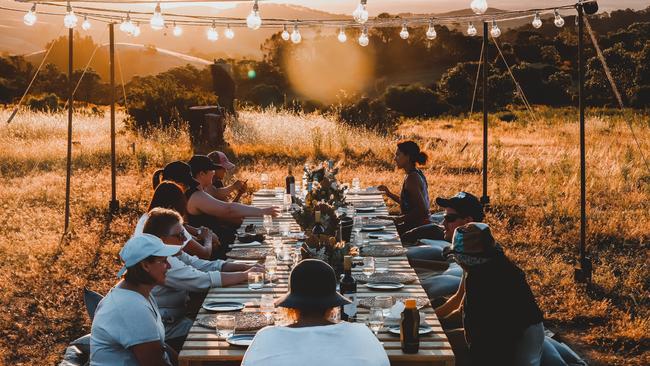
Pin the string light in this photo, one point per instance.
(285, 34)
(295, 35)
(471, 30)
(127, 26)
(178, 31)
(559, 22)
(229, 33)
(495, 31)
(157, 22)
(431, 31)
(363, 38)
(360, 14)
(86, 24)
(30, 17)
(70, 19)
(253, 20)
(135, 30)
(212, 33)
(479, 6)
(342, 37)
(537, 21)
(404, 33)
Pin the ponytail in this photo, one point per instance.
(422, 158)
(157, 178)
(412, 150)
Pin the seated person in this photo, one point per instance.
(170, 195)
(186, 274)
(127, 328)
(414, 198)
(313, 339)
(205, 210)
(459, 210)
(501, 322)
(218, 189)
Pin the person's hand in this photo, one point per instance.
(205, 234)
(241, 186)
(255, 268)
(382, 188)
(273, 211)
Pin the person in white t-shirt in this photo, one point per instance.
(186, 274)
(313, 339)
(127, 328)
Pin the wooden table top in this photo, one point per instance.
(202, 346)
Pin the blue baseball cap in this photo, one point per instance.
(142, 246)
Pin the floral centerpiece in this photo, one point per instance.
(322, 185)
(329, 250)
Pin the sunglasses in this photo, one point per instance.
(451, 217)
(180, 236)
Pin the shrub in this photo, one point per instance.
(371, 114)
(44, 103)
(265, 95)
(414, 101)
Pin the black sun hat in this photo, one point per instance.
(180, 172)
(312, 284)
(201, 163)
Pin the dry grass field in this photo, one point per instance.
(534, 188)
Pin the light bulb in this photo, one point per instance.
(559, 22)
(471, 30)
(157, 22)
(285, 34)
(495, 31)
(70, 19)
(86, 24)
(431, 32)
(537, 21)
(363, 38)
(212, 33)
(178, 31)
(404, 33)
(253, 20)
(479, 6)
(135, 29)
(127, 26)
(295, 35)
(360, 14)
(229, 33)
(30, 17)
(342, 37)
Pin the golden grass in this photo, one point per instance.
(533, 187)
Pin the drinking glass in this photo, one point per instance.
(357, 224)
(255, 280)
(356, 184)
(264, 179)
(225, 326)
(267, 223)
(285, 228)
(270, 264)
(351, 211)
(285, 254)
(279, 192)
(277, 248)
(375, 320)
(384, 302)
(335, 315)
(287, 202)
(267, 306)
(381, 265)
(368, 266)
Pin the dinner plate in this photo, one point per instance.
(424, 329)
(382, 236)
(220, 306)
(365, 209)
(244, 340)
(373, 227)
(384, 286)
(265, 193)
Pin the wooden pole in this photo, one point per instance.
(66, 226)
(114, 205)
(485, 199)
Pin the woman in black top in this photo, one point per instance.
(414, 197)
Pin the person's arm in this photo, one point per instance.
(454, 303)
(207, 204)
(237, 267)
(389, 194)
(150, 354)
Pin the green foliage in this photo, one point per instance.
(265, 95)
(44, 103)
(414, 101)
(371, 114)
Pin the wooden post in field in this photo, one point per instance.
(485, 199)
(66, 226)
(582, 274)
(114, 205)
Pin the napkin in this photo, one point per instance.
(395, 316)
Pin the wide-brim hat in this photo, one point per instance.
(312, 284)
(181, 172)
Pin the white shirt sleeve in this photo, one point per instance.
(185, 277)
(201, 264)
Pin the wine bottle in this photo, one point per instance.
(290, 184)
(348, 288)
(318, 226)
(409, 333)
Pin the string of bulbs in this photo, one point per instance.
(360, 19)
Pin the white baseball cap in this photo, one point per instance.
(142, 246)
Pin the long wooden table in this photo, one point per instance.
(202, 347)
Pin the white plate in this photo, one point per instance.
(243, 340)
(424, 329)
(265, 193)
(221, 306)
(384, 286)
(373, 228)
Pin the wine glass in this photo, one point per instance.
(264, 179)
(267, 306)
(356, 184)
(268, 223)
(385, 303)
(357, 225)
(375, 320)
(270, 264)
(287, 200)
